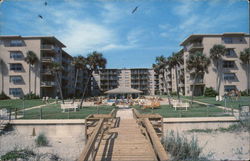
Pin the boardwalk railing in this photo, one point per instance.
(91, 121)
(154, 140)
(93, 143)
(99, 124)
(151, 133)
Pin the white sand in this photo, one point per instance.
(226, 145)
(67, 148)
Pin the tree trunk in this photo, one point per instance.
(1, 61)
(165, 84)
(35, 80)
(177, 83)
(85, 88)
(248, 83)
(59, 86)
(29, 78)
(76, 79)
(217, 79)
(192, 98)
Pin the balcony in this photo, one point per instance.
(195, 46)
(48, 59)
(197, 82)
(47, 47)
(48, 84)
(46, 72)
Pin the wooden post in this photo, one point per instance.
(15, 113)
(10, 115)
(207, 110)
(41, 113)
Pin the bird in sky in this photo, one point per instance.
(40, 16)
(134, 9)
(45, 3)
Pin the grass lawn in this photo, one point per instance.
(55, 112)
(244, 100)
(19, 103)
(196, 111)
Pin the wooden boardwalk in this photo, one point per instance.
(125, 140)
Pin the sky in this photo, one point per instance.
(126, 39)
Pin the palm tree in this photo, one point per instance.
(198, 64)
(31, 59)
(56, 68)
(245, 58)
(94, 62)
(175, 61)
(79, 64)
(216, 53)
(160, 68)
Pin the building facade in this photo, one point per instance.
(232, 72)
(143, 79)
(15, 71)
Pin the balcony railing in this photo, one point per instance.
(195, 45)
(48, 83)
(48, 59)
(46, 71)
(47, 47)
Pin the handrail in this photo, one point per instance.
(91, 142)
(157, 146)
(152, 136)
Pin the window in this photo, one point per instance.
(16, 79)
(230, 52)
(16, 55)
(229, 76)
(16, 67)
(228, 64)
(229, 88)
(16, 43)
(228, 40)
(15, 91)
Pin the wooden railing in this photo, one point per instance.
(91, 121)
(99, 124)
(151, 134)
(90, 150)
(154, 140)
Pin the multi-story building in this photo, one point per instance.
(232, 74)
(138, 78)
(15, 71)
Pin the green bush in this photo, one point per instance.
(173, 93)
(244, 93)
(18, 154)
(31, 96)
(181, 149)
(42, 140)
(210, 92)
(3, 96)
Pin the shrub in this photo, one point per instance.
(244, 93)
(181, 149)
(31, 96)
(42, 140)
(18, 154)
(3, 96)
(210, 92)
(173, 93)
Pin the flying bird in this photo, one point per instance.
(45, 3)
(40, 16)
(134, 9)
